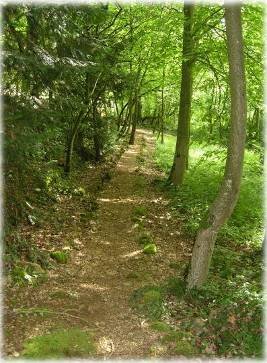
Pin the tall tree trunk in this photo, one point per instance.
(226, 200)
(162, 105)
(96, 131)
(135, 115)
(32, 40)
(183, 131)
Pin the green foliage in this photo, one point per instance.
(175, 287)
(234, 315)
(191, 202)
(148, 301)
(145, 238)
(150, 249)
(183, 344)
(33, 260)
(60, 256)
(234, 312)
(69, 343)
(80, 191)
(27, 274)
(139, 211)
(160, 326)
(138, 214)
(223, 318)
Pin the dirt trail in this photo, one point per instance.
(98, 281)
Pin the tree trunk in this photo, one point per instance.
(183, 131)
(32, 40)
(135, 117)
(162, 105)
(226, 200)
(96, 131)
(70, 143)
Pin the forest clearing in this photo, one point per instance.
(133, 170)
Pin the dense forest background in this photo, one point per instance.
(79, 81)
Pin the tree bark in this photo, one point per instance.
(96, 131)
(227, 197)
(183, 131)
(70, 144)
(136, 116)
(162, 105)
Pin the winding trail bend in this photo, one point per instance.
(108, 266)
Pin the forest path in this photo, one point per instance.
(93, 290)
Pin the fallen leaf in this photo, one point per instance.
(232, 319)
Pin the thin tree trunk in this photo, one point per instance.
(134, 120)
(96, 132)
(183, 131)
(225, 202)
(162, 105)
(70, 143)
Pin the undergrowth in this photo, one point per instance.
(224, 317)
(202, 181)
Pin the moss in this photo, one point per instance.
(160, 326)
(183, 346)
(150, 249)
(59, 344)
(148, 301)
(151, 295)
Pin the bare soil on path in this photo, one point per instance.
(93, 290)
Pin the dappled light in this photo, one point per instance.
(94, 287)
(132, 254)
(133, 168)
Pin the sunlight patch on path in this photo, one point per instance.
(132, 254)
(133, 200)
(94, 287)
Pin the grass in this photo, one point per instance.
(145, 238)
(139, 211)
(60, 256)
(63, 343)
(148, 301)
(206, 167)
